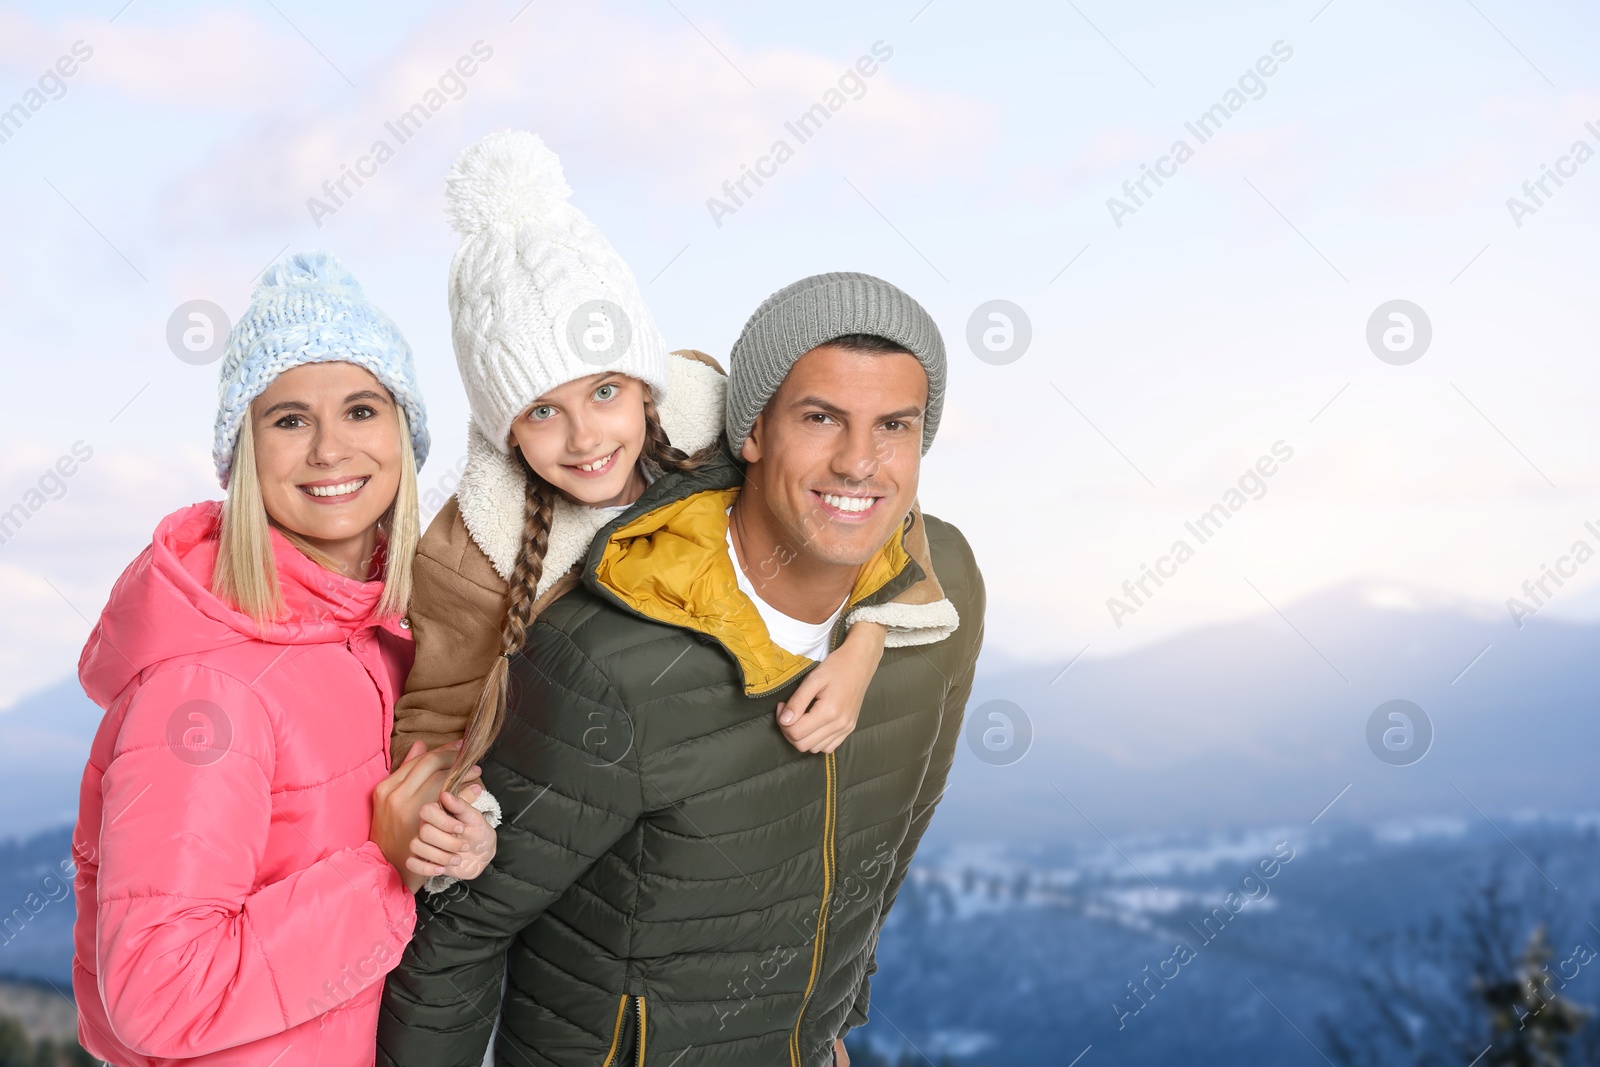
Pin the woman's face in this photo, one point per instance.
(585, 438)
(327, 440)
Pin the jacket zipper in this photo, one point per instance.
(830, 815)
(616, 1032)
(640, 1002)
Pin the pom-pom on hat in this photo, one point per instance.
(308, 308)
(538, 297)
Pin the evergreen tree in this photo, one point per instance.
(1530, 1023)
(1476, 990)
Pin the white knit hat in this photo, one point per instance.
(538, 297)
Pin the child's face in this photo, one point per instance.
(585, 438)
(327, 441)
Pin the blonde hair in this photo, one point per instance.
(538, 508)
(246, 576)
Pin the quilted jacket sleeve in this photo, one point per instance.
(568, 781)
(194, 955)
(968, 592)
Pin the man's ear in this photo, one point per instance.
(750, 451)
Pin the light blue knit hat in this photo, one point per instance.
(307, 308)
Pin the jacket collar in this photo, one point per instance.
(666, 559)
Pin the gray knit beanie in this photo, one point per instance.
(811, 312)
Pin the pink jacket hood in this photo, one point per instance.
(170, 585)
(230, 907)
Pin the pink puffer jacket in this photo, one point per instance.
(230, 907)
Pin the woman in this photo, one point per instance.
(244, 851)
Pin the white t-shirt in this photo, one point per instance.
(809, 639)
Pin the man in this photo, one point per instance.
(674, 883)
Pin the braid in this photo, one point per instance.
(659, 451)
(537, 511)
(538, 508)
(489, 716)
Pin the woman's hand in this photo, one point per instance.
(455, 838)
(824, 708)
(397, 804)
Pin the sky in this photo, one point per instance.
(1179, 336)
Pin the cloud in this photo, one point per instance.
(654, 109)
(1512, 138)
(1109, 156)
(57, 569)
(215, 60)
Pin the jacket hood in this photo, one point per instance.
(490, 494)
(163, 608)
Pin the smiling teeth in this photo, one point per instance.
(336, 490)
(849, 503)
(597, 465)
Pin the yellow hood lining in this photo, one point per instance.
(672, 564)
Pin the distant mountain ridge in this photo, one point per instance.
(1243, 722)
(1265, 719)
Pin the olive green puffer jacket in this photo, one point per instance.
(675, 885)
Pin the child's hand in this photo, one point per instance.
(396, 805)
(454, 838)
(824, 708)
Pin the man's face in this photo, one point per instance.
(836, 452)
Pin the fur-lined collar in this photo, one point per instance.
(492, 486)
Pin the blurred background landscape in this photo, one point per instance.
(1052, 888)
(1133, 754)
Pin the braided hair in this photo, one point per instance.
(538, 510)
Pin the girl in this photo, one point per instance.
(576, 409)
(245, 867)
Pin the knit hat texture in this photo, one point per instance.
(538, 297)
(812, 312)
(307, 308)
